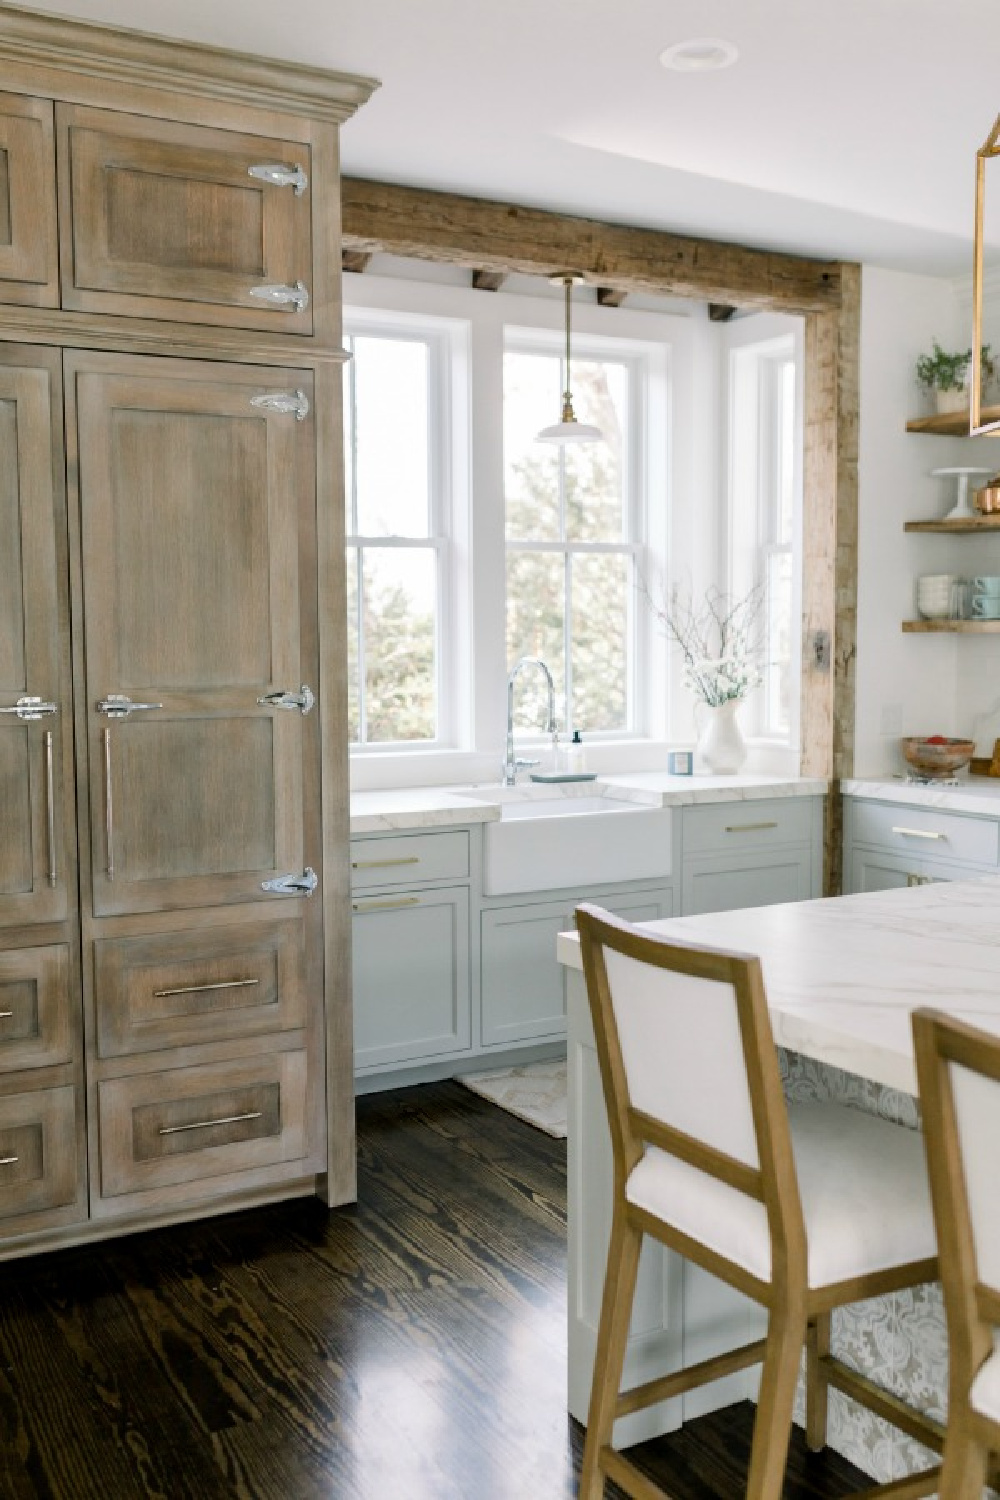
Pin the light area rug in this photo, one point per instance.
(535, 1092)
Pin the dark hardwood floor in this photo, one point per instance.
(412, 1348)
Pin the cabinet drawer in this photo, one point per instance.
(28, 241)
(36, 1028)
(409, 859)
(38, 1151)
(163, 220)
(926, 831)
(728, 827)
(162, 1129)
(172, 989)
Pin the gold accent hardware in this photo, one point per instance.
(50, 805)
(383, 864)
(8, 1161)
(920, 833)
(989, 148)
(5, 1015)
(253, 1114)
(748, 827)
(385, 905)
(196, 989)
(109, 812)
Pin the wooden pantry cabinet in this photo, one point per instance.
(175, 1013)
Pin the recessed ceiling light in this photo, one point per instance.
(704, 54)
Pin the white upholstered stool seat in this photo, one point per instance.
(984, 1392)
(863, 1183)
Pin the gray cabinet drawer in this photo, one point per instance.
(926, 831)
(731, 827)
(409, 859)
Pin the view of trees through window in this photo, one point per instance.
(570, 551)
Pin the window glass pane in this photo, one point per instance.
(400, 588)
(348, 444)
(786, 452)
(594, 481)
(600, 635)
(353, 651)
(391, 387)
(778, 669)
(536, 584)
(531, 401)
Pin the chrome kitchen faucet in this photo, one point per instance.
(511, 763)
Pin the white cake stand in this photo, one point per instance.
(961, 510)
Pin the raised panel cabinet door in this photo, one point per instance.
(35, 717)
(166, 220)
(29, 263)
(195, 506)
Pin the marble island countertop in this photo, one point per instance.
(973, 794)
(843, 973)
(437, 807)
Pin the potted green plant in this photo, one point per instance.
(946, 375)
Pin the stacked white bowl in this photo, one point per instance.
(934, 595)
(985, 598)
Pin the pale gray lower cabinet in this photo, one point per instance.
(891, 845)
(522, 994)
(757, 853)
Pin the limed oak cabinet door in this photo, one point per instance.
(197, 502)
(167, 220)
(29, 271)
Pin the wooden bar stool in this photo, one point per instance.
(958, 1071)
(802, 1207)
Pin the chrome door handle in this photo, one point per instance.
(282, 295)
(119, 706)
(293, 885)
(280, 175)
(286, 402)
(303, 700)
(27, 708)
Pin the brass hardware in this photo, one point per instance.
(748, 827)
(196, 989)
(50, 805)
(292, 885)
(281, 175)
(8, 1161)
(303, 700)
(385, 905)
(383, 864)
(120, 705)
(253, 1114)
(989, 148)
(5, 1015)
(283, 296)
(919, 833)
(286, 402)
(109, 814)
(27, 708)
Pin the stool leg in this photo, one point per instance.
(963, 1472)
(773, 1426)
(817, 1346)
(609, 1359)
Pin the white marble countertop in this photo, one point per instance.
(973, 794)
(843, 973)
(437, 807)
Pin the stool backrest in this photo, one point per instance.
(958, 1073)
(688, 1062)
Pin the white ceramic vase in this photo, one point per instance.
(721, 746)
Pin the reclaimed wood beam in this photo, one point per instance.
(488, 281)
(505, 237)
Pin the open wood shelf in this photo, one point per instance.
(978, 523)
(952, 423)
(955, 627)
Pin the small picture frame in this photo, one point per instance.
(680, 762)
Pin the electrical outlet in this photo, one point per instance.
(892, 719)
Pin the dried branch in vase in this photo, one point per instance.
(719, 640)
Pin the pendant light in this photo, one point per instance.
(568, 429)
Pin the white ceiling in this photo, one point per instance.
(846, 129)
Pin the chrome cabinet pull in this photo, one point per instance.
(251, 1114)
(293, 885)
(197, 989)
(8, 1161)
(282, 296)
(920, 833)
(120, 705)
(384, 864)
(748, 827)
(27, 708)
(385, 905)
(109, 812)
(303, 700)
(50, 804)
(287, 402)
(280, 175)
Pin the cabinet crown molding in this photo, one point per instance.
(143, 58)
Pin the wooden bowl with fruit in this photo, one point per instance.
(937, 755)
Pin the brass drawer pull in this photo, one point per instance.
(385, 905)
(920, 833)
(5, 1015)
(384, 864)
(196, 989)
(748, 827)
(253, 1114)
(9, 1161)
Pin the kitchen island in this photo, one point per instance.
(842, 976)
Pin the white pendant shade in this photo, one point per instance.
(568, 429)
